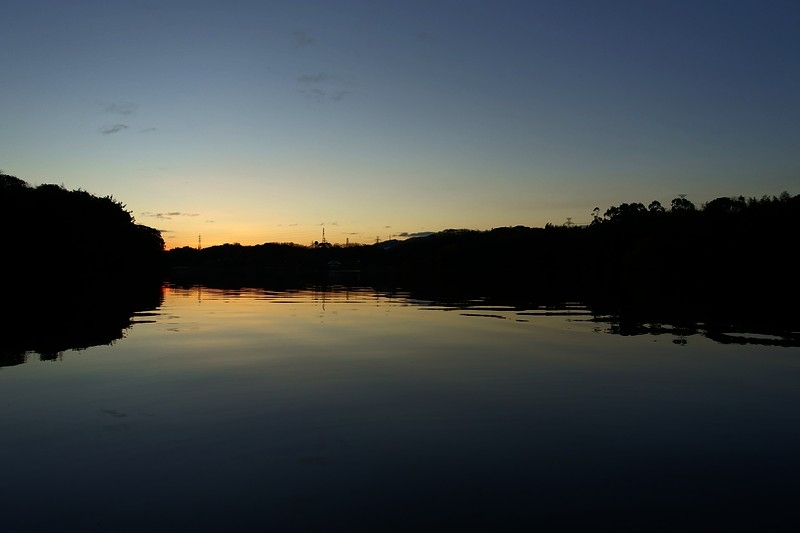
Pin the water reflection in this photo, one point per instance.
(350, 409)
(729, 331)
(723, 333)
(46, 327)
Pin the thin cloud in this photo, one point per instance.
(122, 108)
(116, 128)
(302, 39)
(318, 95)
(169, 216)
(408, 235)
(322, 86)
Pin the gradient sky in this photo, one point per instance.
(265, 121)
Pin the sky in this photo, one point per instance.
(271, 121)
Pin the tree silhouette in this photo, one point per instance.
(681, 204)
(59, 238)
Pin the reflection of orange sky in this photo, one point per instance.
(337, 316)
(361, 323)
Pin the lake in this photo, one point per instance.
(353, 410)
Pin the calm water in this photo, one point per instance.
(351, 410)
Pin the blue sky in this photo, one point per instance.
(266, 121)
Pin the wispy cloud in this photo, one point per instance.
(318, 95)
(116, 128)
(407, 235)
(302, 39)
(322, 86)
(121, 108)
(338, 95)
(169, 216)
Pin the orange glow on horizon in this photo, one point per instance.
(174, 240)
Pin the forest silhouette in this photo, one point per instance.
(726, 258)
(729, 256)
(76, 269)
(60, 240)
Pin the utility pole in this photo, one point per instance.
(199, 245)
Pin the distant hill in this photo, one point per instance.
(727, 255)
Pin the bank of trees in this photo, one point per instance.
(729, 253)
(55, 238)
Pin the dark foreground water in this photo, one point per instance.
(356, 411)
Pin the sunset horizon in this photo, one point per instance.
(258, 122)
(400, 265)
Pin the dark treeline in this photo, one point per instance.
(729, 253)
(76, 268)
(61, 240)
(722, 258)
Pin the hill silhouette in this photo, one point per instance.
(727, 257)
